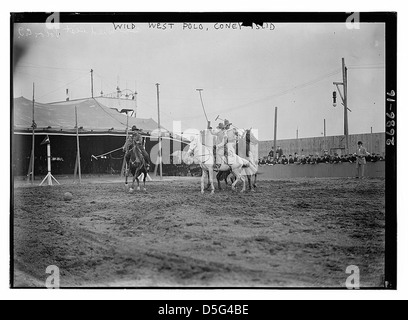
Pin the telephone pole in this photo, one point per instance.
(343, 96)
(346, 133)
(275, 131)
(159, 127)
(92, 95)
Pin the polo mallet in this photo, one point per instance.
(202, 104)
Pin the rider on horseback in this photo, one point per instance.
(136, 141)
(221, 143)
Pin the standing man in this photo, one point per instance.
(361, 160)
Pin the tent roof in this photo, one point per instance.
(93, 117)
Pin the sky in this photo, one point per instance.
(244, 72)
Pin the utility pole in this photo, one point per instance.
(371, 146)
(135, 96)
(92, 83)
(159, 127)
(134, 115)
(275, 131)
(78, 157)
(297, 139)
(343, 96)
(346, 133)
(324, 131)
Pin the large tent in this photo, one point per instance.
(101, 129)
(93, 118)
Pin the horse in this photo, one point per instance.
(204, 156)
(179, 155)
(137, 166)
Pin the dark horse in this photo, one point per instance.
(222, 175)
(137, 166)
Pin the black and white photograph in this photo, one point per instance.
(203, 150)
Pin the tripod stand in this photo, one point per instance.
(49, 177)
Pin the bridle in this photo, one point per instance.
(192, 153)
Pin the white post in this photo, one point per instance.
(49, 180)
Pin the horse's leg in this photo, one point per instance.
(219, 180)
(249, 182)
(144, 180)
(208, 184)
(202, 181)
(237, 176)
(137, 179)
(126, 175)
(133, 183)
(243, 183)
(255, 177)
(211, 177)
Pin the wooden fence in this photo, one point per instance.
(374, 143)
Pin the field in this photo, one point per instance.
(290, 233)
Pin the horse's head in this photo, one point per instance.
(192, 147)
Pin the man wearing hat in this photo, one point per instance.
(360, 160)
(218, 144)
(136, 140)
(227, 124)
(229, 140)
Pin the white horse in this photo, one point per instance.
(204, 156)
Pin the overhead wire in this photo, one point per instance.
(278, 94)
(64, 86)
(49, 67)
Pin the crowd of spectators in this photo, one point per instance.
(280, 158)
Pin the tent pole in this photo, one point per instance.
(124, 164)
(31, 165)
(78, 158)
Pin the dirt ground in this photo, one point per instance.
(290, 233)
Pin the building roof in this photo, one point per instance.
(93, 117)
